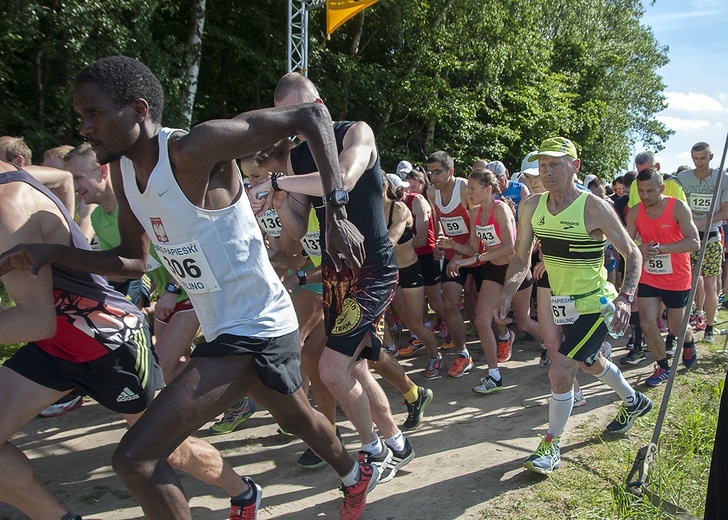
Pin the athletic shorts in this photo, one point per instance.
(181, 306)
(430, 269)
(411, 276)
(584, 338)
(671, 299)
(711, 260)
(124, 380)
(355, 301)
(460, 278)
(497, 274)
(544, 281)
(277, 360)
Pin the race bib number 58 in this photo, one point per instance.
(187, 263)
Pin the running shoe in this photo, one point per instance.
(448, 343)
(606, 350)
(689, 355)
(708, 337)
(310, 460)
(546, 458)
(410, 348)
(441, 328)
(504, 348)
(460, 366)
(545, 359)
(635, 357)
(355, 496)
(433, 367)
(700, 322)
(472, 330)
(416, 410)
(392, 350)
(658, 377)
(662, 327)
(58, 409)
(247, 509)
(627, 414)
(398, 461)
(670, 344)
(378, 461)
(488, 385)
(579, 399)
(234, 416)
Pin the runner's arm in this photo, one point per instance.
(421, 213)
(690, 241)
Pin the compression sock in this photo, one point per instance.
(613, 378)
(560, 406)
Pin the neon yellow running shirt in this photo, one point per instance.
(574, 261)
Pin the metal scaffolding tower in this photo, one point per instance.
(298, 33)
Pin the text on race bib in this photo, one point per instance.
(488, 235)
(453, 226)
(564, 310)
(700, 202)
(270, 223)
(187, 263)
(659, 264)
(152, 264)
(311, 243)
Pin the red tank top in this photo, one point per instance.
(430, 246)
(454, 218)
(670, 271)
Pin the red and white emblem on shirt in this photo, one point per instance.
(159, 231)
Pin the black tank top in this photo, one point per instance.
(365, 209)
(408, 233)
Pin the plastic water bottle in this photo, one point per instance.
(607, 309)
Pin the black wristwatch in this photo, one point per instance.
(170, 287)
(301, 276)
(274, 181)
(338, 197)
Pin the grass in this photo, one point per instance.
(591, 483)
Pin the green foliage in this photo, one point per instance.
(486, 78)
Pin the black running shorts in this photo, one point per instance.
(584, 338)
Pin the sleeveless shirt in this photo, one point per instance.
(454, 218)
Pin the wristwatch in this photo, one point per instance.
(301, 276)
(274, 181)
(170, 287)
(338, 197)
(628, 298)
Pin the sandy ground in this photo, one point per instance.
(469, 449)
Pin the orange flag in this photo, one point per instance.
(339, 11)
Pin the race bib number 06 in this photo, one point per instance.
(564, 310)
(187, 263)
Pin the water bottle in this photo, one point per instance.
(607, 309)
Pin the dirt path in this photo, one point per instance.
(469, 451)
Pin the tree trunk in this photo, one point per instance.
(194, 56)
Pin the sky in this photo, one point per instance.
(696, 79)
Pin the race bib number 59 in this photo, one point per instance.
(187, 263)
(453, 226)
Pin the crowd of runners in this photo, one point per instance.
(301, 261)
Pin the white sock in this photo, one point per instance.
(613, 378)
(560, 406)
(494, 373)
(396, 442)
(503, 340)
(464, 353)
(375, 447)
(352, 477)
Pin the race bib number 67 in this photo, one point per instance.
(187, 263)
(564, 310)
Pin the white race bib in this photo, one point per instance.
(488, 235)
(659, 264)
(152, 264)
(700, 202)
(453, 226)
(270, 223)
(311, 243)
(564, 310)
(188, 265)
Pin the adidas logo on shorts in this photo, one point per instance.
(126, 395)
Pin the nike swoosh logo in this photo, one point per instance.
(162, 192)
